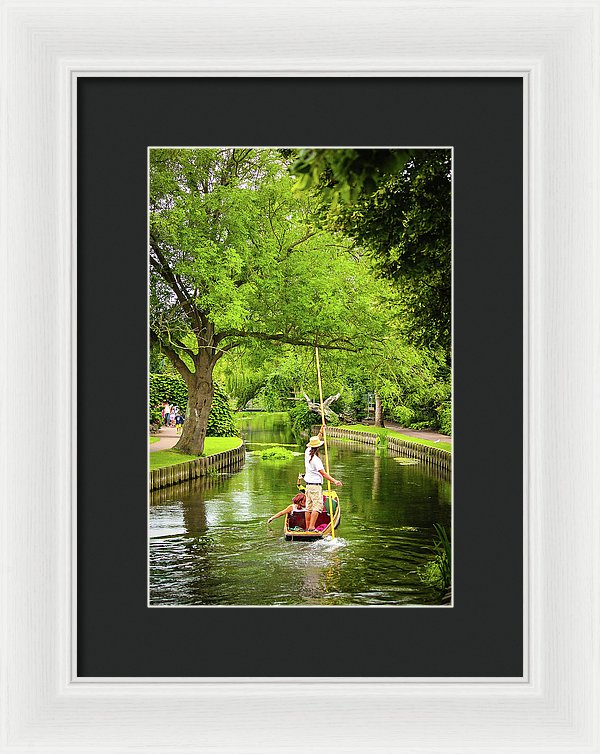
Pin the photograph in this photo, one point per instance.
(300, 376)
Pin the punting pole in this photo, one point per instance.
(325, 440)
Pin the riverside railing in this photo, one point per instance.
(426, 453)
(228, 460)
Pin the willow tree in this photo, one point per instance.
(234, 258)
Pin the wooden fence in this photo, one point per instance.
(228, 460)
(427, 453)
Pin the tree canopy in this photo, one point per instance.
(396, 204)
(235, 256)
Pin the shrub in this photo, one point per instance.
(167, 387)
(445, 418)
(155, 418)
(172, 388)
(402, 415)
(221, 422)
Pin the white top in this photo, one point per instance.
(312, 468)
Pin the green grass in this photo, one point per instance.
(212, 445)
(384, 432)
(153, 440)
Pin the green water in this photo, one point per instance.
(210, 543)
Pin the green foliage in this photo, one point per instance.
(445, 418)
(172, 388)
(438, 571)
(155, 416)
(382, 441)
(396, 204)
(167, 387)
(279, 386)
(221, 422)
(405, 225)
(302, 417)
(241, 376)
(230, 242)
(402, 415)
(342, 175)
(352, 403)
(246, 276)
(159, 363)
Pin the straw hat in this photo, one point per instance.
(315, 442)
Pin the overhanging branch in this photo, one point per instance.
(341, 344)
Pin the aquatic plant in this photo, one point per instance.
(437, 572)
(382, 441)
(274, 454)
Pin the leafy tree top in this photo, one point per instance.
(236, 255)
(396, 204)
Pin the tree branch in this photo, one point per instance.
(341, 344)
(171, 354)
(304, 238)
(161, 265)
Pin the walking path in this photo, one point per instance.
(168, 438)
(422, 433)
(168, 435)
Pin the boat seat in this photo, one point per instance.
(298, 519)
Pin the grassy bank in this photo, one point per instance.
(212, 445)
(384, 432)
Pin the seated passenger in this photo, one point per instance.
(297, 506)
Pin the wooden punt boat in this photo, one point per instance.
(293, 527)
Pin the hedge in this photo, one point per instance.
(172, 388)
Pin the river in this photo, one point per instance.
(210, 543)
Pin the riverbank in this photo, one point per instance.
(423, 434)
(192, 467)
(413, 436)
(210, 543)
(212, 446)
(426, 451)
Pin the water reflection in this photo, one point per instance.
(210, 545)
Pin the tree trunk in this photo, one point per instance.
(200, 397)
(378, 411)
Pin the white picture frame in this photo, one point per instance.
(554, 48)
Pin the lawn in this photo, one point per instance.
(153, 440)
(392, 433)
(212, 445)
